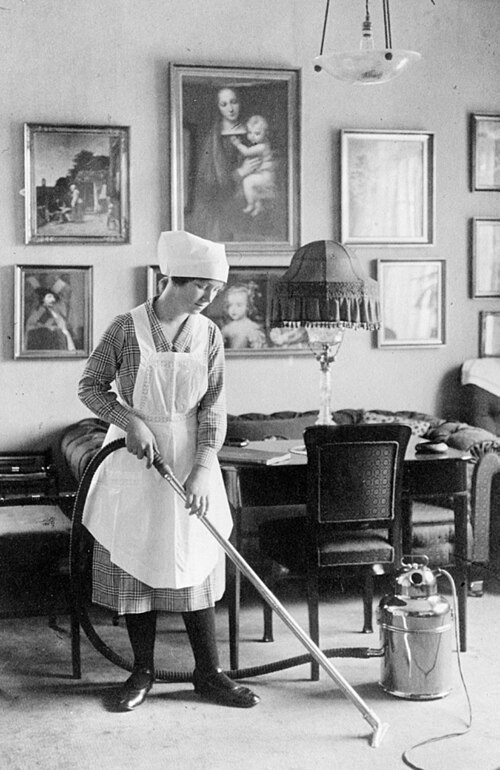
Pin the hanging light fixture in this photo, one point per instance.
(325, 291)
(368, 65)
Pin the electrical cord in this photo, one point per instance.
(468, 724)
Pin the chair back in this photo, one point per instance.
(355, 473)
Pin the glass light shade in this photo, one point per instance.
(324, 335)
(366, 67)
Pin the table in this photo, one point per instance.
(437, 476)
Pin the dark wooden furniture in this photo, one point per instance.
(34, 543)
(353, 515)
(429, 476)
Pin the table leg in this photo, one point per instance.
(460, 510)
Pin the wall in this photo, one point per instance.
(89, 62)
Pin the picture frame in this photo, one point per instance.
(413, 303)
(485, 152)
(52, 311)
(485, 257)
(250, 291)
(223, 186)
(489, 334)
(387, 187)
(76, 184)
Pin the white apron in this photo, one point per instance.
(132, 511)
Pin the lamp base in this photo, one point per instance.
(325, 343)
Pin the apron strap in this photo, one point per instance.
(143, 330)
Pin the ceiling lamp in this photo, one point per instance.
(369, 65)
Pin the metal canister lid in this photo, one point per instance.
(416, 579)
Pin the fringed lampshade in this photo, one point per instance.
(325, 286)
(325, 291)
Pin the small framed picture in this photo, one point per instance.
(485, 152)
(412, 298)
(76, 184)
(53, 311)
(489, 333)
(242, 311)
(387, 188)
(235, 156)
(485, 257)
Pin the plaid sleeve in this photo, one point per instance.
(212, 410)
(115, 359)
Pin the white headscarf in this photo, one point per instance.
(181, 254)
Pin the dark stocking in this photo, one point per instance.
(200, 627)
(141, 629)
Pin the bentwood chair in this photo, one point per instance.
(353, 513)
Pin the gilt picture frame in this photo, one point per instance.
(235, 181)
(387, 187)
(413, 303)
(242, 311)
(52, 311)
(485, 264)
(485, 152)
(76, 184)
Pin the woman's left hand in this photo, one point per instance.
(196, 487)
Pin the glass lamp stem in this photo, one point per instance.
(325, 359)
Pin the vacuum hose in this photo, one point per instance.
(78, 591)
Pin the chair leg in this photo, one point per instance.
(76, 660)
(368, 601)
(313, 611)
(268, 623)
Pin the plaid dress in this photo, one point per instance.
(116, 359)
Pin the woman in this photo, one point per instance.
(218, 196)
(150, 554)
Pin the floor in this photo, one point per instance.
(50, 720)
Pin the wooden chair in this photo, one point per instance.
(353, 513)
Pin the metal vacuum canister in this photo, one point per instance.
(416, 635)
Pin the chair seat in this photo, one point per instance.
(278, 540)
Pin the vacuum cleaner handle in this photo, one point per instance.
(379, 728)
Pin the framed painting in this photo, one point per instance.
(485, 257)
(235, 156)
(76, 184)
(412, 298)
(485, 152)
(242, 311)
(387, 188)
(53, 311)
(489, 333)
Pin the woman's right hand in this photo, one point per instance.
(140, 440)
(248, 166)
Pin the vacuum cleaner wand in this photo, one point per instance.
(379, 728)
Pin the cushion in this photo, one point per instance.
(460, 435)
(419, 426)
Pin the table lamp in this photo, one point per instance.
(325, 291)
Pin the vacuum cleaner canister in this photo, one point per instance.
(416, 635)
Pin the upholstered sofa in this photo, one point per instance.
(480, 378)
(433, 530)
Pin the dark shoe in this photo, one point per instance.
(219, 688)
(135, 689)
